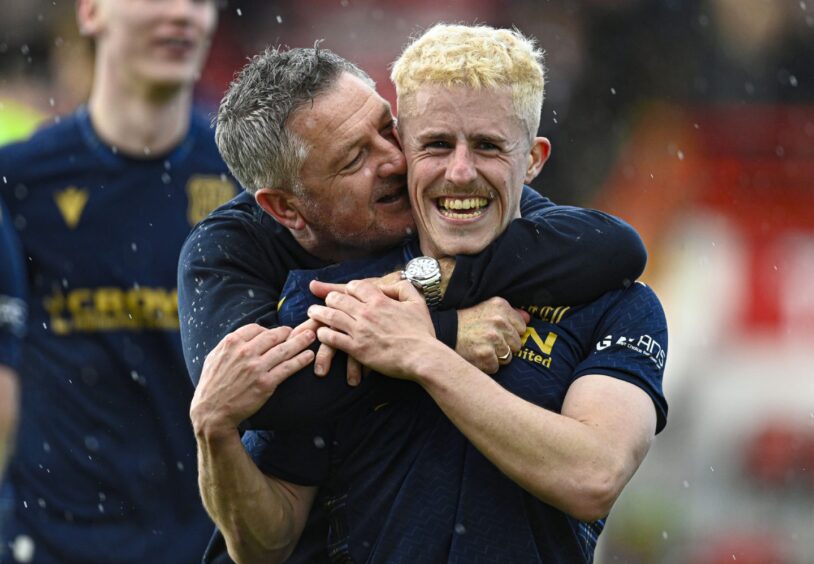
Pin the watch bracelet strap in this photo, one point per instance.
(432, 293)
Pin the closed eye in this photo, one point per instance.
(356, 161)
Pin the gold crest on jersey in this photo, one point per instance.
(205, 193)
(71, 203)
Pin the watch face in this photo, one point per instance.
(421, 268)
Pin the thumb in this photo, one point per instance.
(402, 291)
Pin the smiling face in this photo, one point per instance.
(155, 42)
(355, 195)
(468, 155)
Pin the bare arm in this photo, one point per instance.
(260, 517)
(577, 461)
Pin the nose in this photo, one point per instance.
(461, 167)
(394, 162)
(181, 10)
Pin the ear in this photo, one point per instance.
(88, 17)
(538, 155)
(282, 206)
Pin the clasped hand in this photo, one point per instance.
(384, 326)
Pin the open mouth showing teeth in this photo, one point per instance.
(462, 208)
(394, 197)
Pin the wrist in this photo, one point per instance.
(209, 427)
(432, 363)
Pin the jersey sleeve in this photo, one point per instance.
(225, 281)
(552, 255)
(13, 308)
(631, 344)
(302, 456)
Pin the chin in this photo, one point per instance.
(173, 76)
(464, 247)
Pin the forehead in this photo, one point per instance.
(460, 109)
(347, 109)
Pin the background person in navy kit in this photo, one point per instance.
(103, 199)
(237, 259)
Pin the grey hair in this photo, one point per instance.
(251, 131)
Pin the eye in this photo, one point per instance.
(487, 146)
(389, 129)
(355, 162)
(437, 145)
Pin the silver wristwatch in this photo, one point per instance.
(425, 275)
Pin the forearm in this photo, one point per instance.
(256, 519)
(563, 256)
(561, 461)
(9, 393)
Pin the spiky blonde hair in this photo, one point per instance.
(475, 57)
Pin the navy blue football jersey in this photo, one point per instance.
(234, 264)
(400, 483)
(12, 292)
(105, 466)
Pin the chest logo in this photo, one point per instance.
(71, 203)
(543, 346)
(205, 193)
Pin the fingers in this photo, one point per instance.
(505, 358)
(288, 368)
(335, 339)
(322, 289)
(489, 365)
(323, 360)
(343, 302)
(268, 339)
(307, 324)
(519, 319)
(331, 317)
(247, 332)
(363, 290)
(354, 371)
(389, 279)
(403, 291)
(286, 350)
(513, 342)
(525, 315)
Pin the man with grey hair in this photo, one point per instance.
(348, 200)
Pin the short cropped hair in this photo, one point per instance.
(474, 57)
(252, 133)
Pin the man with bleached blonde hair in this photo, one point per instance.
(440, 461)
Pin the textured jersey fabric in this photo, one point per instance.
(235, 263)
(105, 466)
(400, 483)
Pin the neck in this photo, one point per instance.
(333, 252)
(139, 120)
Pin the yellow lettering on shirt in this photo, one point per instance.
(84, 310)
